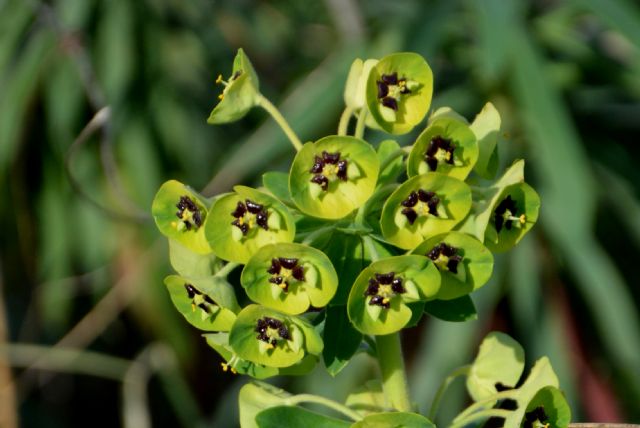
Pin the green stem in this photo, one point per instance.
(343, 125)
(368, 242)
(394, 377)
(310, 398)
(391, 157)
(226, 270)
(460, 371)
(359, 133)
(509, 394)
(309, 238)
(280, 120)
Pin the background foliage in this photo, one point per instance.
(88, 331)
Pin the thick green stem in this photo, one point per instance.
(280, 120)
(343, 126)
(394, 377)
(362, 116)
(226, 269)
(310, 398)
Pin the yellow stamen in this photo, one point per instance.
(385, 300)
(221, 97)
(522, 219)
(283, 285)
(193, 307)
(234, 371)
(225, 367)
(219, 79)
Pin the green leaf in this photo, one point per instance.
(457, 163)
(473, 271)
(388, 155)
(419, 280)
(288, 416)
(460, 309)
(278, 184)
(291, 296)
(188, 230)
(499, 360)
(229, 242)
(188, 263)
(240, 93)
(486, 127)
(341, 196)
(206, 303)
(394, 420)
(413, 105)
(341, 339)
(347, 255)
(254, 397)
(454, 204)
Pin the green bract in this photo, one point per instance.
(422, 207)
(486, 127)
(333, 176)
(464, 263)
(180, 214)
(240, 93)
(355, 89)
(399, 91)
(500, 360)
(242, 222)
(549, 407)
(290, 278)
(270, 338)
(512, 217)
(447, 146)
(207, 303)
(393, 420)
(379, 297)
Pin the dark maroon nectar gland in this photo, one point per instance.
(199, 299)
(506, 214)
(420, 203)
(284, 271)
(327, 168)
(445, 257)
(391, 89)
(248, 215)
(271, 331)
(382, 288)
(189, 214)
(440, 150)
(536, 418)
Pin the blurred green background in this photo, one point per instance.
(87, 332)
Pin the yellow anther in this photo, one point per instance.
(219, 79)
(234, 371)
(522, 219)
(225, 367)
(174, 224)
(385, 300)
(283, 285)
(221, 97)
(193, 307)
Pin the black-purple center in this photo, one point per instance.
(390, 90)
(247, 214)
(198, 298)
(505, 214)
(439, 150)
(283, 269)
(189, 213)
(445, 257)
(271, 330)
(420, 202)
(328, 167)
(382, 287)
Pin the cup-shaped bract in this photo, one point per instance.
(514, 214)
(289, 278)
(548, 407)
(399, 91)
(273, 339)
(240, 93)
(447, 146)
(379, 299)
(208, 303)
(242, 222)
(180, 214)
(333, 176)
(422, 207)
(464, 263)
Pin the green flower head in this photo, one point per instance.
(208, 304)
(379, 299)
(399, 91)
(422, 207)
(355, 89)
(243, 221)
(513, 216)
(270, 338)
(447, 146)
(333, 176)
(290, 278)
(464, 263)
(240, 93)
(180, 214)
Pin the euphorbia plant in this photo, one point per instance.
(354, 244)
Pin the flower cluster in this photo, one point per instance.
(355, 239)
